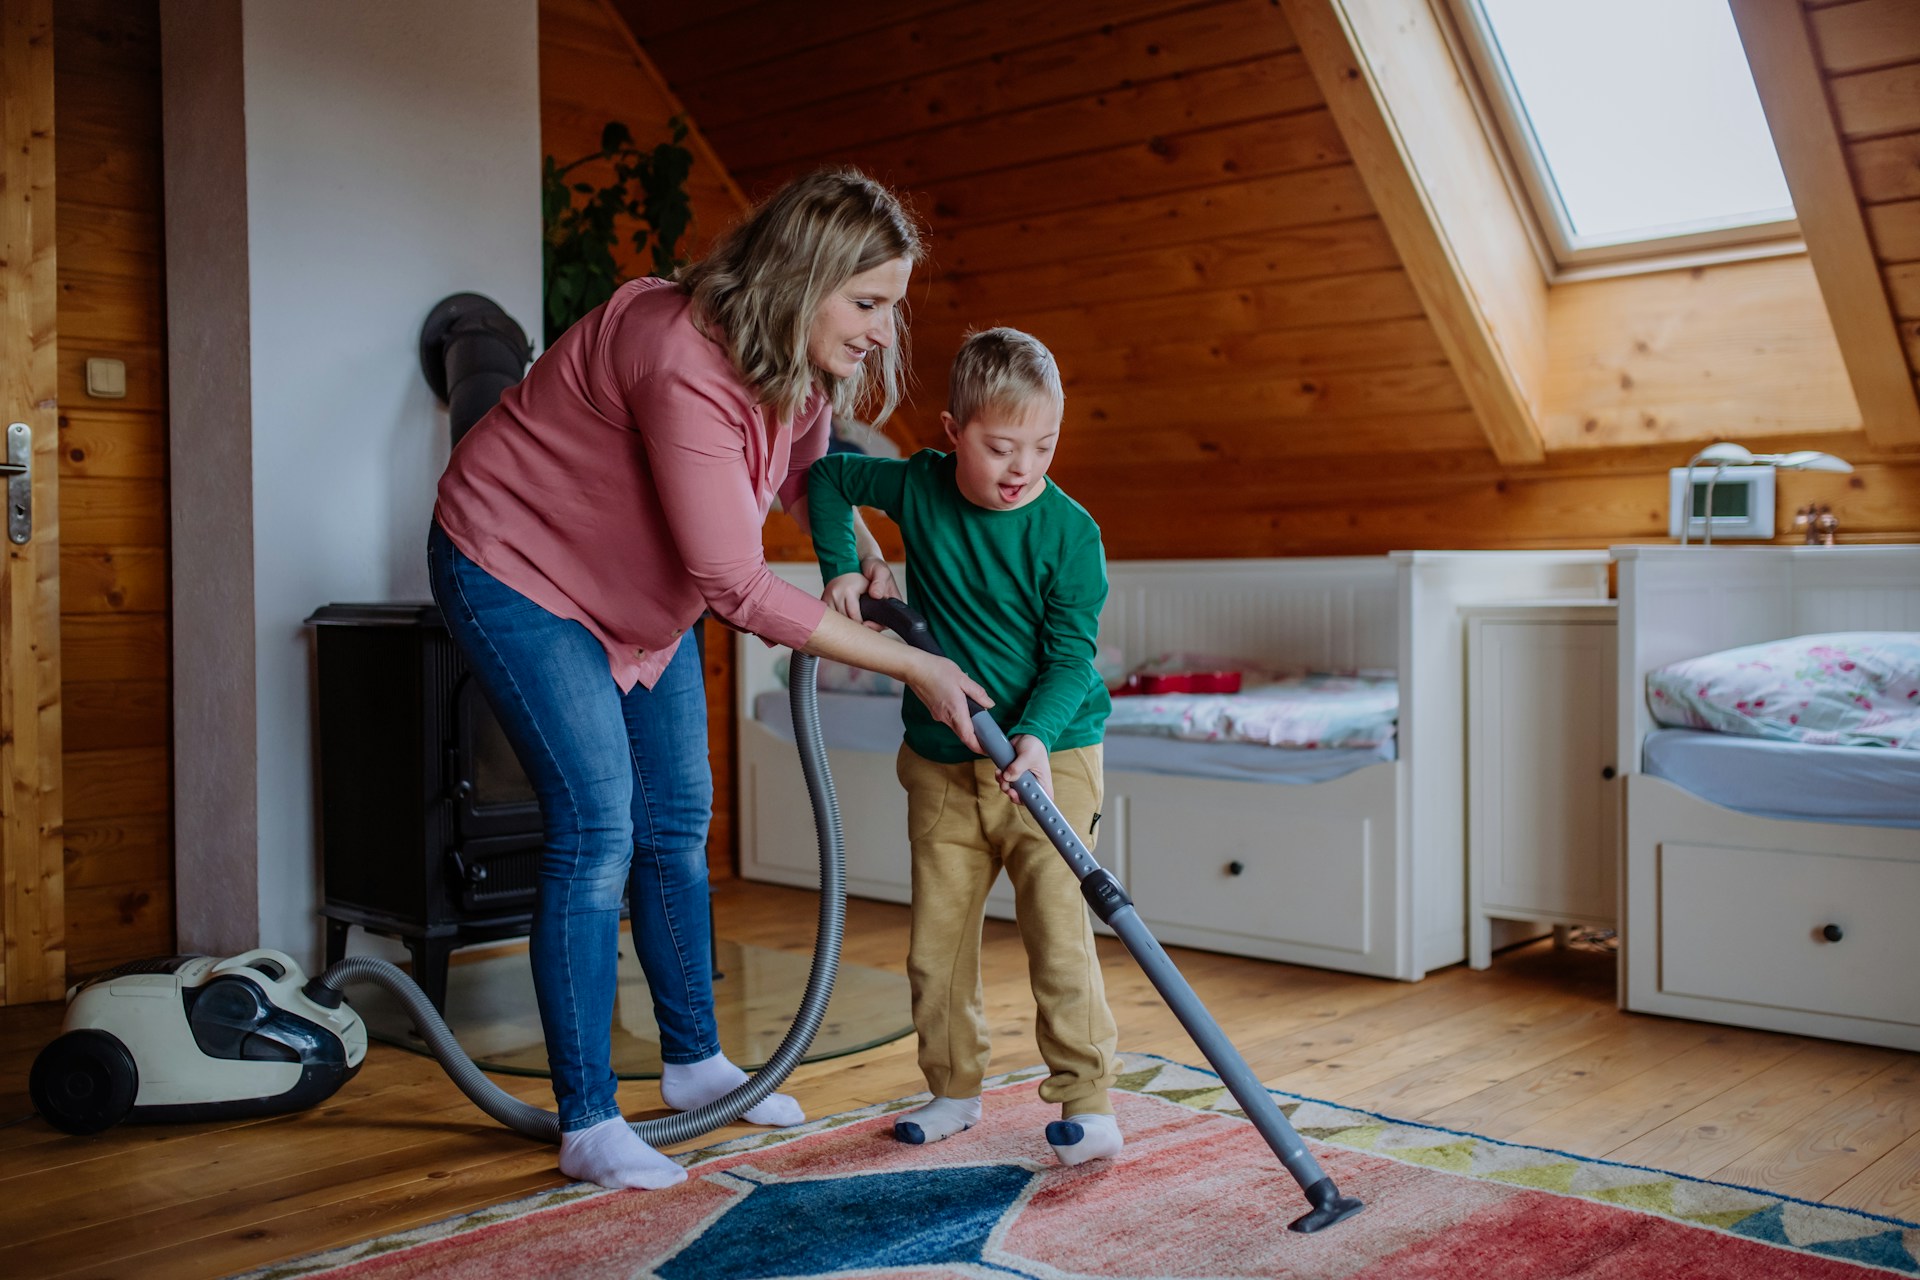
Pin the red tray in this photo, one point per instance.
(1180, 682)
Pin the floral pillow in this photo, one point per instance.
(1853, 689)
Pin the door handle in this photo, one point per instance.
(18, 469)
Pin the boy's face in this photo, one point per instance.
(1002, 456)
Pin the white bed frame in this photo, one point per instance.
(1723, 913)
(1365, 873)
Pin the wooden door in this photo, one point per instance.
(32, 897)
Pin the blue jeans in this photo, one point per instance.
(625, 795)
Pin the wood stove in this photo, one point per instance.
(429, 830)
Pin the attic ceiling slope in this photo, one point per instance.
(1393, 86)
(1787, 72)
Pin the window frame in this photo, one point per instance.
(1565, 254)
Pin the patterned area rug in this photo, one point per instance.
(1197, 1194)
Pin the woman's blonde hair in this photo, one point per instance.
(759, 289)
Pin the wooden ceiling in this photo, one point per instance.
(1160, 191)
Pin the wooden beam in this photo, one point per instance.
(696, 140)
(1787, 72)
(1390, 78)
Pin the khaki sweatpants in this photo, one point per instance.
(964, 829)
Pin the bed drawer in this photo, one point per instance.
(1304, 878)
(1746, 925)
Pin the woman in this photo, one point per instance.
(585, 523)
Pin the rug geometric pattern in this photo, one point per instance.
(1196, 1195)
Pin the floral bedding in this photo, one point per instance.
(1854, 688)
(1303, 712)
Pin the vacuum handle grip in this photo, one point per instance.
(905, 622)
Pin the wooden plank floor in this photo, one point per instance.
(1531, 1051)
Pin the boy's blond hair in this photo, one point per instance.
(1001, 369)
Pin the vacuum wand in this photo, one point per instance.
(1110, 902)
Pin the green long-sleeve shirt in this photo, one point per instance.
(1014, 597)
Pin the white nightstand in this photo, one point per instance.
(1542, 789)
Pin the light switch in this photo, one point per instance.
(107, 379)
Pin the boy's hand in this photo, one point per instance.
(845, 592)
(1029, 756)
(843, 595)
(880, 583)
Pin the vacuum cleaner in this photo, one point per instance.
(194, 1038)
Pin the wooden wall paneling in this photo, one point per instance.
(913, 46)
(114, 648)
(1227, 209)
(1388, 72)
(1201, 99)
(1872, 103)
(1263, 256)
(124, 444)
(1360, 298)
(1895, 230)
(1792, 91)
(33, 905)
(1886, 168)
(1865, 34)
(1266, 147)
(1163, 448)
(1381, 344)
(1681, 356)
(107, 714)
(1116, 55)
(113, 465)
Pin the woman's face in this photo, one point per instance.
(856, 318)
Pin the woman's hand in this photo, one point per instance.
(945, 688)
(1029, 756)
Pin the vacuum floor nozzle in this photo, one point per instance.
(1329, 1207)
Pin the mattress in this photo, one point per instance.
(1861, 786)
(862, 722)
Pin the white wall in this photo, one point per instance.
(392, 158)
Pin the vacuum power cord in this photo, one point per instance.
(535, 1122)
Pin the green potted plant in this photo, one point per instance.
(649, 189)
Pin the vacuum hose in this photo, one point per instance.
(803, 694)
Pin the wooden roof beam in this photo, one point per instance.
(1786, 70)
(1395, 90)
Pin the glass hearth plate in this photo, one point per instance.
(491, 1009)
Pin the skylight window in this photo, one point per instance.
(1636, 122)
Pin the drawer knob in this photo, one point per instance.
(1607, 773)
(1832, 933)
(1236, 868)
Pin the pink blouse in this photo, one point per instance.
(624, 483)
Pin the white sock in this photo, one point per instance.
(688, 1086)
(612, 1154)
(941, 1118)
(1079, 1139)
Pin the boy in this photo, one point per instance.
(1009, 572)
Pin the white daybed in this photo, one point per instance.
(1725, 914)
(1364, 872)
